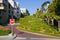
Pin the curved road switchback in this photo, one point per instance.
(23, 34)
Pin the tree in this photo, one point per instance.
(38, 13)
(52, 6)
(57, 9)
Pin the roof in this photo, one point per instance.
(11, 2)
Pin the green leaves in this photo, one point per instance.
(55, 7)
(36, 25)
(4, 31)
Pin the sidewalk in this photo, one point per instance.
(35, 39)
(8, 37)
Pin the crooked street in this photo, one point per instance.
(26, 35)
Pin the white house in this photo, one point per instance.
(23, 10)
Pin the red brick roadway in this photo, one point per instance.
(24, 34)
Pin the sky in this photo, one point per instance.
(31, 5)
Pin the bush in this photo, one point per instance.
(4, 31)
(36, 25)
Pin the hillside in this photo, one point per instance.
(36, 25)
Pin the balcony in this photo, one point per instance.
(1, 7)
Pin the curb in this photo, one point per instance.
(38, 34)
(36, 38)
(14, 36)
(9, 35)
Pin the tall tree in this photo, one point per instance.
(55, 7)
(52, 6)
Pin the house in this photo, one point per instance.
(7, 8)
(24, 12)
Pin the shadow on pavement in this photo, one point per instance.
(21, 33)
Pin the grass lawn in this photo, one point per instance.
(36, 25)
(4, 31)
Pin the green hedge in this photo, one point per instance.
(4, 31)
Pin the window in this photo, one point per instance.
(5, 0)
(0, 15)
(1, 4)
(18, 8)
(9, 6)
(12, 11)
(17, 12)
(0, 12)
(9, 11)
